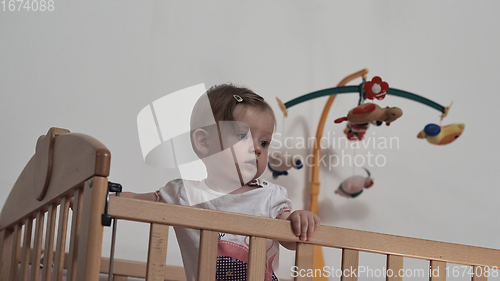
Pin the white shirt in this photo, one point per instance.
(265, 200)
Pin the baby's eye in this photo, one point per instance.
(242, 136)
(264, 143)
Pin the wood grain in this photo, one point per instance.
(77, 157)
(48, 250)
(7, 249)
(74, 234)
(257, 258)
(28, 229)
(44, 159)
(157, 253)
(120, 278)
(91, 230)
(61, 239)
(438, 271)
(37, 246)
(137, 210)
(16, 247)
(479, 273)
(350, 263)
(394, 265)
(2, 242)
(137, 269)
(207, 259)
(304, 259)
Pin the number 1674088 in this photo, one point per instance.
(27, 5)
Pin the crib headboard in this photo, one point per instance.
(65, 165)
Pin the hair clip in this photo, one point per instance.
(238, 98)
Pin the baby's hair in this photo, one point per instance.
(219, 103)
(223, 102)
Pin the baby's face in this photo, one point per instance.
(254, 144)
(245, 143)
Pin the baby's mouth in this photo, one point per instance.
(252, 162)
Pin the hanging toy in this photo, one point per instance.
(355, 132)
(370, 112)
(353, 186)
(280, 163)
(438, 135)
(376, 88)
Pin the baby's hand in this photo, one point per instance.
(304, 223)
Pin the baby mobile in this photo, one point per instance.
(358, 121)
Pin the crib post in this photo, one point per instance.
(257, 258)
(438, 271)
(157, 253)
(350, 260)
(304, 259)
(90, 240)
(207, 259)
(394, 265)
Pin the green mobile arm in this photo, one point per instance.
(358, 89)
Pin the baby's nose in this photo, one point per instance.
(256, 148)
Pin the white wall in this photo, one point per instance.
(91, 66)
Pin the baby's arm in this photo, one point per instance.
(304, 223)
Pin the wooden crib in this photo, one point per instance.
(68, 165)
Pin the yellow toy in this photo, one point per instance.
(438, 135)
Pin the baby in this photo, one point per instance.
(231, 129)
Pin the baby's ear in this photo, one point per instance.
(200, 141)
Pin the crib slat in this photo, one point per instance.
(15, 251)
(157, 253)
(304, 259)
(207, 259)
(2, 240)
(394, 265)
(28, 228)
(350, 261)
(37, 246)
(479, 274)
(74, 235)
(61, 239)
(438, 271)
(8, 244)
(48, 251)
(257, 258)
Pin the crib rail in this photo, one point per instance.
(65, 165)
(34, 222)
(350, 241)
